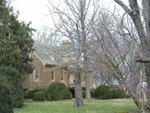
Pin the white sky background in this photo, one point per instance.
(36, 11)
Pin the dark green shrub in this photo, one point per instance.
(73, 93)
(5, 97)
(29, 93)
(15, 84)
(118, 93)
(92, 92)
(58, 91)
(83, 93)
(102, 92)
(71, 89)
(83, 89)
(128, 96)
(39, 96)
(108, 92)
(43, 90)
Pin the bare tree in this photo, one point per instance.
(143, 30)
(76, 23)
(115, 44)
(48, 36)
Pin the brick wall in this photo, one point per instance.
(45, 75)
(29, 81)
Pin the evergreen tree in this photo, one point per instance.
(15, 40)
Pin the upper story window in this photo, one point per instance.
(62, 74)
(52, 75)
(36, 75)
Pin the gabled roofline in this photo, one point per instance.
(45, 64)
(39, 58)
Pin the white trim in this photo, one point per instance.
(51, 75)
(34, 75)
(62, 75)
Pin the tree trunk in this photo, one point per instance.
(143, 34)
(78, 89)
(86, 75)
(146, 14)
(84, 47)
(87, 84)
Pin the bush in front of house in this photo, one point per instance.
(108, 92)
(71, 89)
(39, 96)
(118, 93)
(103, 92)
(15, 85)
(30, 92)
(84, 93)
(92, 93)
(5, 97)
(58, 91)
(43, 90)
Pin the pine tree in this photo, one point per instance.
(15, 40)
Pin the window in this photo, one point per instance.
(71, 78)
(62, 75)
(52, 75)
(71, 75)
(36, 75)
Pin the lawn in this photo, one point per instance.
(91, 106)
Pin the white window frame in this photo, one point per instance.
(35, 77)
(53, 75)
(62, 75)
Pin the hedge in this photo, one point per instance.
(58, 91)
(108, 92)
(39, 96)
(30, 92)
(15, 84)
(71, 89)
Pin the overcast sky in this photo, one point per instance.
(36, 11)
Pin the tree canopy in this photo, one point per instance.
(15, 40)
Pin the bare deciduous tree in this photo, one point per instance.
(143, 30)
(115, 44)
(47, 36)
(75, 23)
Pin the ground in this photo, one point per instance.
(91, 106)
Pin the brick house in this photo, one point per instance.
(48, 68)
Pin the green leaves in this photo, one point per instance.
(5, 100)
(15, 41)
(58, 91)
(12, 79)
